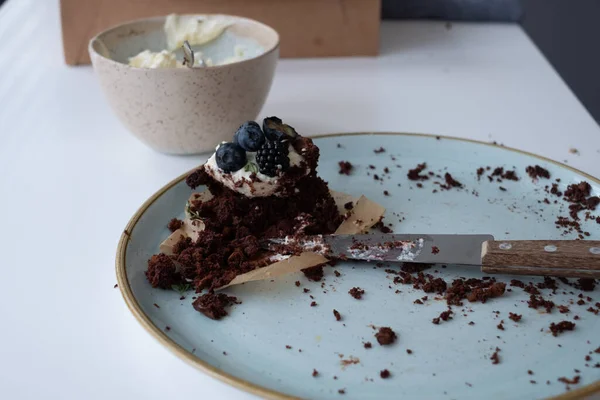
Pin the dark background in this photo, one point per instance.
(566, 31)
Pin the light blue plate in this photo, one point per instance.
(450, 360)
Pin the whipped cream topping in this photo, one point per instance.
(197, 31)
(241, 181)
(149, 59)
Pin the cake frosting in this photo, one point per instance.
(197, 31)
(248, 181)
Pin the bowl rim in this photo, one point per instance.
(265, 53)
(579, 393)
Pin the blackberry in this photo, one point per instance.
(273, 157)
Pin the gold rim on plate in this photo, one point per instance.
(578, 394)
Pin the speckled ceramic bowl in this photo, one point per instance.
(183, 110)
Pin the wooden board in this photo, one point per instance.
(308, 28)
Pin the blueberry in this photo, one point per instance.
(275, 129)
(230, 157)
(249, 136)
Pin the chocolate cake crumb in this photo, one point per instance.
(409, 351)
(213, 305)
(414, 174)
(588, 358)
(495, 357)
(444, 316)
(386, 193)
(175, 224)
(197, 178)
(554, 190)
(156, 305)
(502, 188)
(563, 309)
(161, 272)
(379, 150)
(578, 193)
(480, 172)
(315, 373)
(116, 286)
(337, 315)
(568, 381)
(337, 273)
(530, 372)
(287, 346)
(314, 274)
(515, 317)
(313, 304)
(297, 283)
(500, 326)
(500, 174)
(532, 382)
(561, 327)
(517, 283)
(585, 284)
(341, 391)
(510, 175)
(356, 292)
(384, 374)
(482, 294)
(367, 345)
(435, 249)
(538, 301)
(385, 336)
(471, 323)
(349, 205)
(450, 182)
(167, 328)
(537, 172)
(345, 167)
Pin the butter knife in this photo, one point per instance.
(566, 258)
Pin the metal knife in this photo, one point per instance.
(567, 258)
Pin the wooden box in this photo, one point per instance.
(308, 28)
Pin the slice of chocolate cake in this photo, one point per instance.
(263, 184)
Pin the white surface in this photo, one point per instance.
(71, 177)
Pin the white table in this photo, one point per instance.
(71, 176)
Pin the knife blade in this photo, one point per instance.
(418, 248)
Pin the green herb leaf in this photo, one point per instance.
(182, 288)
(251, 167)
(190, 213)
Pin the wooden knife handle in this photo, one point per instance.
(567, 258)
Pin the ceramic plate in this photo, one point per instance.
(249, 348)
